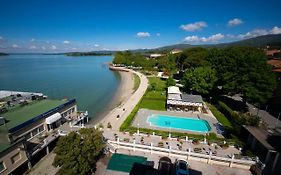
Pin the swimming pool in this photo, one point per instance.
(179, 123)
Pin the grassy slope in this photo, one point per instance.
(136, 82)
(220, 117)
(155, 100)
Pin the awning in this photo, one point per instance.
(53, 118)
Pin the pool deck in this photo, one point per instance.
(143, 114)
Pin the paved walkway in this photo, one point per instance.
(44, 166)
(175, 144)
(127, 106)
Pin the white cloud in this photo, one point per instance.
(212, 38)
(74, 48)
(192, 39)
(53, 47)
(43, 47)
(15, 46)
(253, 33)
(143, 34)
(32, 47)
(275, 30)
(194, 26)
(1, 38)
(158, 34)
(235, 22)
(66, 42)
(96, 45)
(32, 40)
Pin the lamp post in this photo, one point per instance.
(138, 129)
(169, 132)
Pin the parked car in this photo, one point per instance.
(182, 167)
(164, 166)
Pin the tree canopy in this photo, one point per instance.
(170, 82)
(77, 153)
(200, 80)
(243, 70)
(238, 70)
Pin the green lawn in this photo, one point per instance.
(155, 99)
(153, 104)
(160, 84)
(136, 82)
(220, 117)
(155, 95)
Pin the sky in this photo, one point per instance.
(54, 26)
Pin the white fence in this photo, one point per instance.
(210, 159)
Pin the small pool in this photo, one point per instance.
(179, 123)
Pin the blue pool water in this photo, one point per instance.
(179, 123)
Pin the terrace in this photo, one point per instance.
(22, 114)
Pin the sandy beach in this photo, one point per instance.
(129, 99)
(123, 93)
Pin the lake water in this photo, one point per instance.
(87, 78)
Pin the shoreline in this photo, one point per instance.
(124, 91)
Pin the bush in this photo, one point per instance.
(195, 141)
(161, 144)
(109, 125)
(100, 125)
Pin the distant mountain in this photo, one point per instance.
(3, 54)
(260, 41)
(92, 53)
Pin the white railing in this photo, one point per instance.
(231, 162)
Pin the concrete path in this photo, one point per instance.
(44, 166)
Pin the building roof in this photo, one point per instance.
(174, 90)
(174, 96)
(275, 63)
(272, 52)
(261, 135)
(176, 51)
(20, 115)
(124, 163)
(192, 98)
(4, 93)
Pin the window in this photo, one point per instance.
(16, 158)
(2, 167)
(34, 132)
(41, 128)
(28, 136)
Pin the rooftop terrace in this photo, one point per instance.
(20, 115)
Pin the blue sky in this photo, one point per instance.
(84, 25)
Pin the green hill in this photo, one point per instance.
(260, 41)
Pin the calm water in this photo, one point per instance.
(58, 76)
(180, 123)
